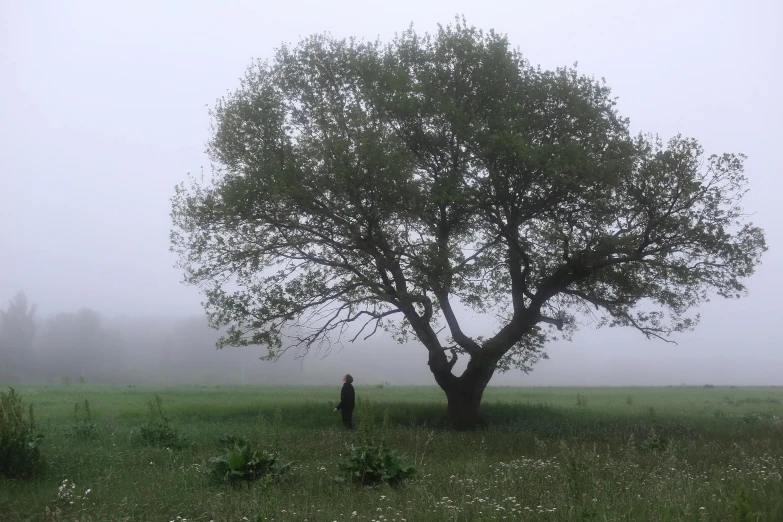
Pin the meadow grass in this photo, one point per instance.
(678, 453)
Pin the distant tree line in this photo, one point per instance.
(84, 344)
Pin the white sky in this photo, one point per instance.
(103, 110)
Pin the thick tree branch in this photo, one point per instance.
(559, 323)
(465, 342)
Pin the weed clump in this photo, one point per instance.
(83, 426)
(158, 431)
(370, 463)
(654, 441)
(741, 506)
(19, 452)
(241, 463)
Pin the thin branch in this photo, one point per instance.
(609, 306)
(376, 318)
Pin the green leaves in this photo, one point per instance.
(237, 458)
(372, 464)
(361, 182)
(239, 463)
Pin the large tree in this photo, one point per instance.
(368, 185)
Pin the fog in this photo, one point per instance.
(103, 109)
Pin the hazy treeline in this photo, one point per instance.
(122, 350)
(157, 350)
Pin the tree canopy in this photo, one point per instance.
(385, 185)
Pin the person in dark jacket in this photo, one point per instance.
(347, 402)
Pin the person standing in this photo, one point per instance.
(347, 402)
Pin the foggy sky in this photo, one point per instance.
(103, 109)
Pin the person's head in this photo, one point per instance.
(347, 378)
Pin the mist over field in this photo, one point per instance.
(149, 350)
(103, 109)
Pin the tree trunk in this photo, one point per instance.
(463, 408)
(464, 396)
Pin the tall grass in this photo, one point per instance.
(541, 458)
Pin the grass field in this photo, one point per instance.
(542, 457)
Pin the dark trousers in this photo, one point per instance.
(347, 413)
